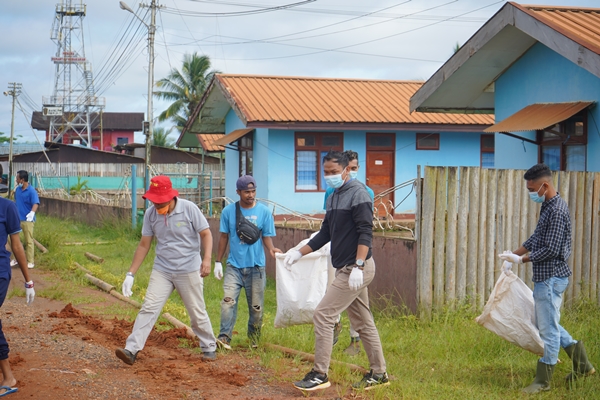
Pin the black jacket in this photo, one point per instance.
(348, 222)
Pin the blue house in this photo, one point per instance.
(278, 129)
(537, 68)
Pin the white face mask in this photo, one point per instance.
(353, 174)
(536, 197)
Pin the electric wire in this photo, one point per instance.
(235, 13)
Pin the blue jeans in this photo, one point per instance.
(547, 296)
(253, 280)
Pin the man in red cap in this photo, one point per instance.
(180, 230)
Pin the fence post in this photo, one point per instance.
(133, 196)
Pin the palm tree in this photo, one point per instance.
(184, 88)
(160, 137)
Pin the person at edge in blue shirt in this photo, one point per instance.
(245, 263)
(354, 348)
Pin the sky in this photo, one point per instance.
(374, 39)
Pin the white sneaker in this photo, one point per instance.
(13, 263)
(30, 265)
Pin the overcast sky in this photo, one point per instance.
(373, 39)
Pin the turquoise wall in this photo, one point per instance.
(99, 183)
(274, 164)
(543, 76)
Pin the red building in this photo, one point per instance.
(109, 129)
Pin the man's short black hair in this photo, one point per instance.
(352, 155)
(23, 175)
(536, 172)
(337, 157)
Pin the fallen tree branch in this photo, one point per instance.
(178, 324)
(39, 246)
(93, 257)
(311, 358)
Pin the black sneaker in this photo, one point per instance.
(125, 355)
(337, 329)
(209, 356)
(223, 342)
(313, 381)
(371, 380)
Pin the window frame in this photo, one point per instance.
(561, 142)
(433, 135)
(319, 148)
(243, 152)
(484, 149)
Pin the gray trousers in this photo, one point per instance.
(190, 287)
(340, 297)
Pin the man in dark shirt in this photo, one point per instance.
(549, 249)
(348, 224)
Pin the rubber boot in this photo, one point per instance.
(581, 365)
(543, 376)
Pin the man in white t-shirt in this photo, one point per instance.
(180, 230)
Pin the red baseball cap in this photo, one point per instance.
(161, 190)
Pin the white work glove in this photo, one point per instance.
(355, 280)
(506, 267)
(218, 270)
(511, 257)
(291, 257)
(29, 292)
(127, 285)
(29, 217)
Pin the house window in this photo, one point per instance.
(428, 141)
(487, 151)
(122, 141)
(310, 149)
(563, 147)
(245, 147)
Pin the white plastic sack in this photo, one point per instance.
(300, 290)
(509, 313)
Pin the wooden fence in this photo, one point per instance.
(467, 216)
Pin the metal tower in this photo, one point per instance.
(74, 105)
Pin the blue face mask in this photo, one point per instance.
(536, 197)
(334, 181)
(353, 174)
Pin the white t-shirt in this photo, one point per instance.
(177, 237)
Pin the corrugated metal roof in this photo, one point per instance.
(579, 24)
(232, 136)
(110, 121)
(324, 100)
(207, 140)
(538, 116)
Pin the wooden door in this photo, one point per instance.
(380, 169)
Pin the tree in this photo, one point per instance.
(184, 88)
(6, 139)
(160, 137)
(456, 47)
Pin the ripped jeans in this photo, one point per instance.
(253, 280)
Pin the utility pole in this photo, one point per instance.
(14, 89)
(148, 124)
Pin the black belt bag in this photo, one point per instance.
(246, 230)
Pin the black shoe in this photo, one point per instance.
(209, 356)
(371, 380)
(313, 381)
(223, 342)
(125, 355)
(337, 329)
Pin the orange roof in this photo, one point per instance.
(207, 141)
(581, 25)
(281, 99)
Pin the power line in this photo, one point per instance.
(235, 13)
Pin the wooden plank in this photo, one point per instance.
(586, 222)
(573, 184)
(425, 263)
(578, 239)
(439, 239)
(481, 256)
(595, 238)
(451, 238)
(462, 229)
(491, 253)
(516, 218)
(473, 236)
(500, 220)
(523, 224)
(418, 218)
(510, 211)
(565, 193)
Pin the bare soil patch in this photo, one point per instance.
(66, 351)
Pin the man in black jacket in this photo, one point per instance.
(348, 224)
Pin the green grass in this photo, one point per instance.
(448, 356)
